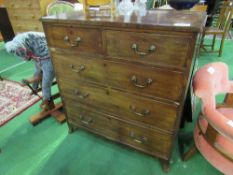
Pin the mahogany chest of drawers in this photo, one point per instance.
(25, 14)
(126, 80)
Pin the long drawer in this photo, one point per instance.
(151, 48)
(146, 140)
(122, 105)
(147, 81)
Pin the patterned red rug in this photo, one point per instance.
(14, 99)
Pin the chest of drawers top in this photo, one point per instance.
(169, 20)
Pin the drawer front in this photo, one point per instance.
(133, 108)
(148, 48)
(82, 40)
(146, 81)
(147, 140)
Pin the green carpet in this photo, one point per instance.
(48, 148)
(6, 64)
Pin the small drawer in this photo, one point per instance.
(145, 81)
(122, 105)
(147, 140)
(82, 40)
(148, 48)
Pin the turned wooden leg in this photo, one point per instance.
(165, 165)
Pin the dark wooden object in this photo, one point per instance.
(126, 78)
(221, 29)
(58, 115)
(211, 10)
(5, 25)
(56, 112)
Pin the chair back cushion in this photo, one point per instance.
(59, 7)
(210, 80)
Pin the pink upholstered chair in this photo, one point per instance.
(213, 133)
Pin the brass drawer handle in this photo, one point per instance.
(80, 69)
(72, 43)
(138, 139)
(86, 122)
(80, 95)
(136, 49)
(144, 113)
(135, 82)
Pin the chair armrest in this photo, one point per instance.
(218, 121)
(224, 106)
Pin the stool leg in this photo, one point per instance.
(213, 43)
(221, 46)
